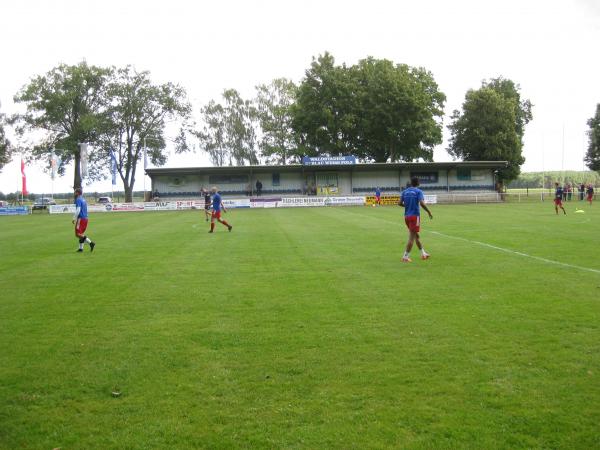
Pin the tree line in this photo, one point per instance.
(376, 109)
(547, 179)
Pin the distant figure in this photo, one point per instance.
(569, 192)
(558, 198)
(80, 219)
(378, 196)
(207, 202)
(249, 190)
(581, 191)
(411, 199)
(217, 206)
(258, 187)
(590, 193)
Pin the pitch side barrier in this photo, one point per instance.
(285, 202)
(15, 210)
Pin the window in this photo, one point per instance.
(463, 174)
(276, 179)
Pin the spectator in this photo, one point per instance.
(258, 187)
(569, 192)
(581, 191)
(249, 189)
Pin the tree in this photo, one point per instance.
(274, 102)
(377, 110)
(5, 148)
(229, 133)
(592, 156)
(400, 111)
(137, 115)
(491, 127)
(322, 116)
(67, 105)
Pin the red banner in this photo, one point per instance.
(23, 178)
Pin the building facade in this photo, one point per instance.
(328, 179)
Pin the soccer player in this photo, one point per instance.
(558, 196)
(590, 193)
(217, 206)
(412, 199)
(207, 202)
(378, 196)
(80, 219)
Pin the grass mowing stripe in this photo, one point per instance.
(514, 252)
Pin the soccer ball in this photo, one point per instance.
(374, 205)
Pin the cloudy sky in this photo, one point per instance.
(548, 47)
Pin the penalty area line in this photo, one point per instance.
(514, 252)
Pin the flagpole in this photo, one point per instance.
(144, 194)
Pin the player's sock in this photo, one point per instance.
(212, 226)
(405, 255)
(224, 222)
(87, 239)
(423, 252)
(81, 246)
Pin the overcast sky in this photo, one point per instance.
(548, 47)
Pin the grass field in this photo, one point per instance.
(302, 329)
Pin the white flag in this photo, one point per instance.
(53, 165)
(83, 155)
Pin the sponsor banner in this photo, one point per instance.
(345, 201)
(393, 200)
(14, 210)
(61, 209)
(237, 203)
(329, 160)
(160, 206)
(292, 202)
(117, 207)
(425, 177)
(265, 202)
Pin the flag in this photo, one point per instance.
(23, 178)
(113, 167)
(83, 157)
(53, 165)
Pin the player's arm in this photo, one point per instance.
(424, 206)
(401, 202)
(76, 215)
(223, 207)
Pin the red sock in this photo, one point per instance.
(212, 226)
(224, 222)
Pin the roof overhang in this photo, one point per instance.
(299, 167)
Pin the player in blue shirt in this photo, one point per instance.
(378, 196)
(558, 197)
(80, 219)
(217, 206)
(412, 199)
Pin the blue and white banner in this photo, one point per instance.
(113, 167)
(14, 211)
(329, 160)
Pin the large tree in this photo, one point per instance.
(323, 115)
(229, 131)
(5, 153)
(400, 111)
(491, 126)
(377, 110)
(274, 101)
(592, 156)
(67, 104)
(136, 117)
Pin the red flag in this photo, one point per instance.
(23, 178)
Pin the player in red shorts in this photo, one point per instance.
(80, 219)
(412, 198)
(558, 196)
(217, 206)
(590, 193)
(378, 196)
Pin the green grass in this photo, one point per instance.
(301, 329)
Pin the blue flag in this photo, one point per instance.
(113, 167)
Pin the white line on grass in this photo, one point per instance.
(505, 250)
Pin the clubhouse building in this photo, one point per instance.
(325, 176)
